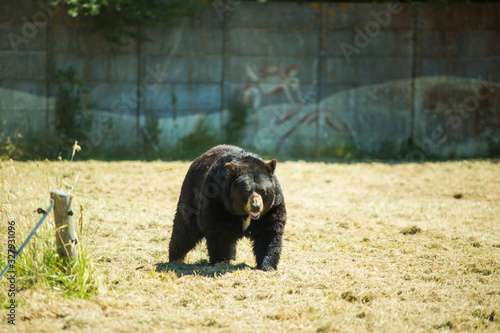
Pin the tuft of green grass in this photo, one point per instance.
(40, 265)
(483, 314)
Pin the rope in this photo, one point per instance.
(18, 252)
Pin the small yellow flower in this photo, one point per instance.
(76, 147)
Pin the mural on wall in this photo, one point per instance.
(270, 80)
(273, 126)
(434, 92)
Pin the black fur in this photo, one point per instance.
(210, 206)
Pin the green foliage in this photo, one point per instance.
(40, 265)
(493, 144)
(35, 149)
(390, 149)
(120, 18)
(71, 120)
(199, 140)
(151, 132)
(194, 143)
(348, 150)
(204, 136)
(8, 146)
(235, 126)
(340, 150)
(377, 1)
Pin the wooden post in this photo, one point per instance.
(66, 238)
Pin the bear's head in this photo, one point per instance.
(252, 189)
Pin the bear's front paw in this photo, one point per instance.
(266, 267)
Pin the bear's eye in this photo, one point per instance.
(244, 187)
(247, 189)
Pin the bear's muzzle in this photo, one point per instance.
(254, 205)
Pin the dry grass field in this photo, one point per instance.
(367, 247)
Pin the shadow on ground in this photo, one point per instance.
(202, 268)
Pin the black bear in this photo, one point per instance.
(230, 193)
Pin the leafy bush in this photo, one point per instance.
(8, 147)
(235, 126)
(119, 18)
(199, 140)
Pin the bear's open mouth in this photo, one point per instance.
(255, 215)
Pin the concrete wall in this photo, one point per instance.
(318, 75)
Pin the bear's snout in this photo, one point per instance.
(255, 205)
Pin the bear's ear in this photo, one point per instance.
(233, 168)
(271, 166)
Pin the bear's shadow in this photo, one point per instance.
(201, 268)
